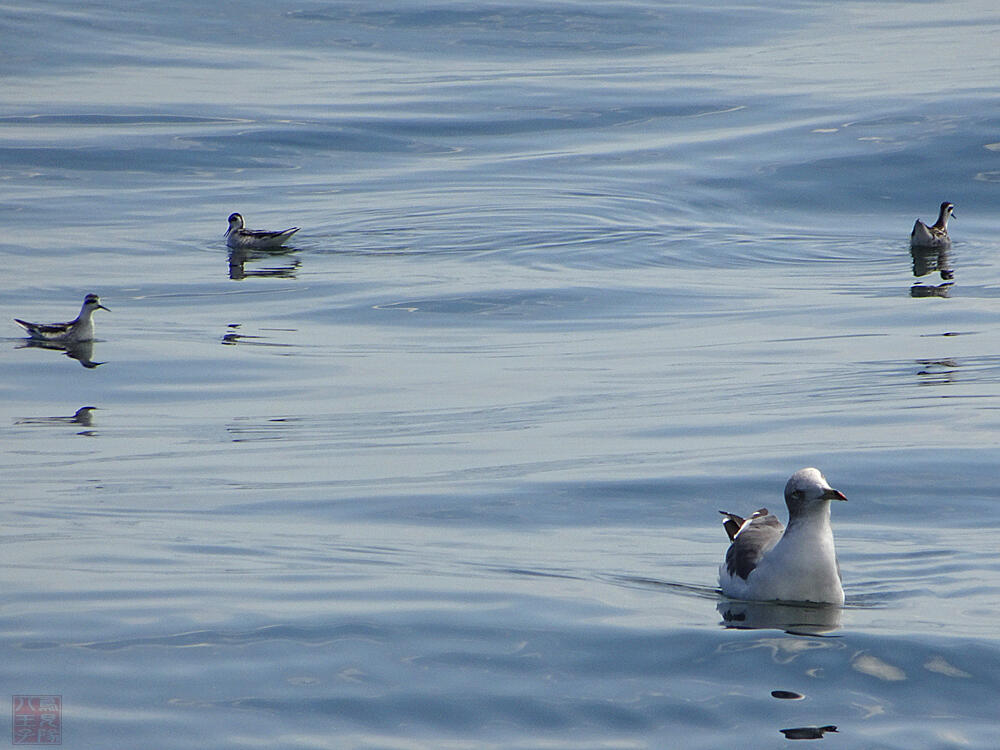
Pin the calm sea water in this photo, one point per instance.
(571, 277)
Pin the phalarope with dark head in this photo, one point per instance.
(81, 329)
(936, 235)
(240, 238)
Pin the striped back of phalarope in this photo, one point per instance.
(240, 238)
(80, 329)
(935, 235)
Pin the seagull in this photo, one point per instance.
(75, 331)
(766, 562)
(936, 235)
(239, 238)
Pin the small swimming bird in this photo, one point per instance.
(239, 238)
(936, 235)
(799, 564)
(81, 329)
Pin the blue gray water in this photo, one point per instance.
(571, 277)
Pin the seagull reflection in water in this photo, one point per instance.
(795, 619)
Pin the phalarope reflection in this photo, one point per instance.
(82, 416)
(81, 329)
(240, 238)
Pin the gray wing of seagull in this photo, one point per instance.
(752, 538)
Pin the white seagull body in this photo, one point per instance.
(798, 564)
(240, 238)
(80, 329)
(935, 235)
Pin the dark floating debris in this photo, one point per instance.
(807, 733)
(786, 695)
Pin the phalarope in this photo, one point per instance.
(81, 329)
(936, 235)
(799, 564)
(240, 238)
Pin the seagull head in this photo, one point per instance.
(235, 222)
(808, 488)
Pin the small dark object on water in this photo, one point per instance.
(786, 695)
(807, 733)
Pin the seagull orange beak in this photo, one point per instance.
(832, 494)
